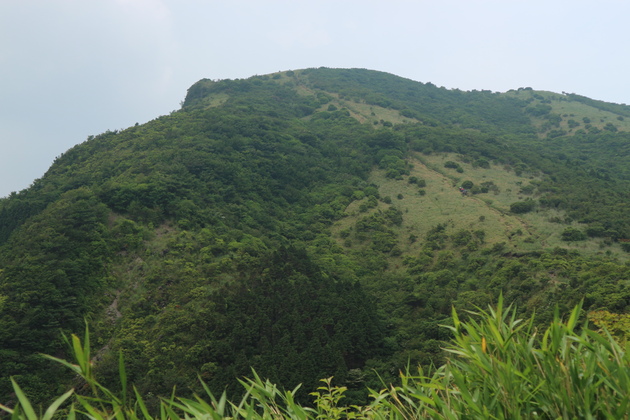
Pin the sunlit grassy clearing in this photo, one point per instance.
(537, 223)
(570, 110)
(490, 212)
(443, 204)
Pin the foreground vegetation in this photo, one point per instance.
(499, 367)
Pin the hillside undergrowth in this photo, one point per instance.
(498, 366)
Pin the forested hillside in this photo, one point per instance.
(309, 224)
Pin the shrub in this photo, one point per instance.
(421, 183)
(571, 234)
(482, 163)
(573, 123)
(610, 127)
(521, 207)
(538, 110)
(527, 189)
(596, 230)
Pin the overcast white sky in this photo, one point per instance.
(73, 68)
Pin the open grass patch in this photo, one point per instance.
(440, 202)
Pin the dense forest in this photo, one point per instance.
(311, 224)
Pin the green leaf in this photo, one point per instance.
(140, 403)
(24, 402)
(123, 376)
(92, 411)
(5, 408)
(52, 409)
(74, 368)
(456, 322)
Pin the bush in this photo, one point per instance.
(610, 127)
(596, 230)
(521, 207)
(538, 110)
(482, 163)
(421, 183)
(453, 165)
(572, 234)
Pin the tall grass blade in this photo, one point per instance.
(24, 402)
(6, 409)
(123, 376)
(140, 403)
(52, 409)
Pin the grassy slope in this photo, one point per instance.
(570, 110)
(491, 211)
(443, 204)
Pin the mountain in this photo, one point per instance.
(308, 224)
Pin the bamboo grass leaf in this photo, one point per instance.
(91, 411)
(24, 402)
(52, 409)
(140, 403)
(573, 318)
(170, 413)
(16, 414)
(6, 409)
(123, 376)
(74, 368)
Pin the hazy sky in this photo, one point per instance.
(73, 68)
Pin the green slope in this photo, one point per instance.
(309, 224)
